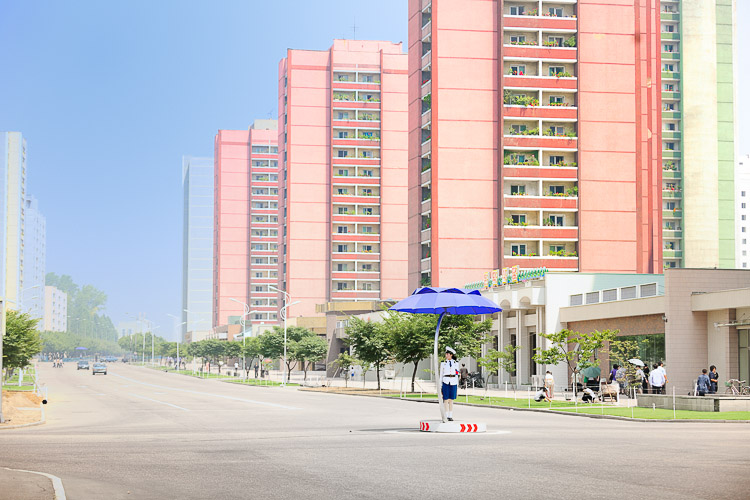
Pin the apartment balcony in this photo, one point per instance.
(374, 124)
(351, 199)
(670, 96)
(670, 75)
(671, 234)
(672, 254)
(671, 115)
(356, 218)
(536, 52)
(425, 4)
(355, 275)
(426, 147)
(671, 174)
(370, 256)
(538, 141)
(350, 180)
(670, 56)
(669, 16)
(671, 134)
(669, 36)
(426, 61)
(548, 261)
(355, 294)
(425, 264)
(534, 232)
(537, 202)
(543, 82)
(546, 112)
(343, 85)
(671, 214)
(427, 30)
(671, 194)
(426, 118)
(356, 105)
(554, 173)
(425, 235)
(355, 237)
(355, 160)
(669, 154)
(539, 22)
(426, 89)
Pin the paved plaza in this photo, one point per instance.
(140, 433)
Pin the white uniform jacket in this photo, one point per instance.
(449, 368)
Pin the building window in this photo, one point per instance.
(668, 87)
(343, 115)
(341, 286)
(342, 229)
(367, 173)
(556, 41)
(343, 134)
(343, 210)
(367, 248)
(557, 130)
(742, 194)
(743, 229)
(668, 67)
(367, 286)
(367, 191)
(343, 172)
(518, 249)
(556, 160)
(671, 127)
(341, 267)
(343, 154)
(554, 70)
(518, 190)
(743, 205)
(744, 264)
(668, 48)
(518, 39)
(519, 69)
(556, 99)
(669, 146)
(744, 217)
(556, 220)
(342, 191)
(555, 12)
(556, 248)
(556, 189)
(518, 218)
(367, 267)
(518, 128)
(667, 28)
(367, 229)
(744, 241)
(517, 10)
(367, 211)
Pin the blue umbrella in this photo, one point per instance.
(442, 301)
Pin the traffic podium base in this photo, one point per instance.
(438, 426)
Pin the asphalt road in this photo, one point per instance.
(138, 433)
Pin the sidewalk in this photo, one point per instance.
(21, 408)
(16, 485)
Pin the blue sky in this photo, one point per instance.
(110, 95)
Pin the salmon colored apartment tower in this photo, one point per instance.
(343, 151)
(246, 225)
(535, 137)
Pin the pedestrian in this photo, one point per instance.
(621, 377)
(713, 376)
(646, 388)
(541, 395)
(464, 375)
(449, 377)
(589, 396)
(256, 370)
(549, 384)
(640, 379)
(657, 380)
(664, 373)
(613, 373)
(704, 383)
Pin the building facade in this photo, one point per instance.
(343, 142)
(35, 259)
(197, 243)
(698, 129)
(55, 310)
(741, 211)
(534, 137)
(13, 179)
(246, 224)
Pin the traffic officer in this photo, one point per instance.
(449, 372)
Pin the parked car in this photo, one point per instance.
(99, 368)
(83, 365)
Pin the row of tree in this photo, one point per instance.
(85, 306)
(21, 341)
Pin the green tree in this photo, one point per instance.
(310, 349)
(84, 306)
(21, 341)
(371, 342)
(232, 350)
(213, 350)
(621, 351)
(496, 360)
(252, 350)
(413, 336)
(577, 350)
(274, 340)
(344, 362)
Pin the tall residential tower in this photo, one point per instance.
(343, 141)
(35, 259)
(534, 137)
(12, 200)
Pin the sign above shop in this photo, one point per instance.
(507, 276)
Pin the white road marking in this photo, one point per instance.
(162, 402)
(56, 482)
(231, 398)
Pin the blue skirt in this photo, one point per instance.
(449, 391)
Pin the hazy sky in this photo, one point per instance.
(110, 95)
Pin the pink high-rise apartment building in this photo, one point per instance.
(343, 148)
(535, 137)
(246, 224)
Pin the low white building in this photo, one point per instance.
(55, 310)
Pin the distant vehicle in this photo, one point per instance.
(99, 368)
(110, 359)
(124, 359)
(83, 365)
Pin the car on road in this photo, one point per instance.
(99, 368)
(110, 359)
(83, 365)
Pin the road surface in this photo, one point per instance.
(139, 433)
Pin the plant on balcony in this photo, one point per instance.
(572, 192)
(572, 134)
(532, 12)
(427, 99)
(557, 253)
(548, 222)
(531, 131)
(342, 97)
(510, 222)
(571, 254)
(426, 223)
(514, 72)
(426, 281)
(517, 100)
(530, 42)
(571, 42)
(550, 43)
(368, 137)
(564, 74)
(369, 99)
(426, 165)
(513, 159)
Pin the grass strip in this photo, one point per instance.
(661, 414)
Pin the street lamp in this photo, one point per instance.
(247, 312)
(287, 298)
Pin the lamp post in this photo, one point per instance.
(287, 298)
(246, 312)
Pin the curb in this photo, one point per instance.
(30, 424)
(553, 412)
(56, 482)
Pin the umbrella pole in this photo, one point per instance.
(438, 383)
